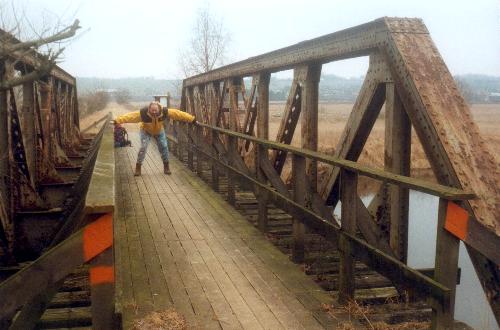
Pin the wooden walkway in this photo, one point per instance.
(179, 244)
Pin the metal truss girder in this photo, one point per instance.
(449, 136)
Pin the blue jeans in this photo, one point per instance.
(161, 142)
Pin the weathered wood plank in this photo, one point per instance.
(66, 318)
(222, 308)
(238, 304)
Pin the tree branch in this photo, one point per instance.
(65, 33)
(44, 68)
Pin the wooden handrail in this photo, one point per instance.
(435, 189)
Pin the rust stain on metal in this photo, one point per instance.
(459, 147)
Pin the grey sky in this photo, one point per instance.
(142, 38)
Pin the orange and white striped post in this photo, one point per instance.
(98, 249)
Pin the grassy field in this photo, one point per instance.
(332, 120)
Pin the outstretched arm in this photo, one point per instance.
(179, 115)
(131, 117)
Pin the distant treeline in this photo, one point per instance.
(475, 88)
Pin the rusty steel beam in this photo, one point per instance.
(288, 121)
(37, 137)
(444, 124)
(357, 41)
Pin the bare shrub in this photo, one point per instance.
(122, 96)
(92, 102)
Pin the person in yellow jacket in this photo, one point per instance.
(151, 119)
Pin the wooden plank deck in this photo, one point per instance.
(179, 244)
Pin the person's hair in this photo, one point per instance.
(155, 103)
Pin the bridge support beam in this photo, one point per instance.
(232, 143)
(214, 112)
(397, 160)
(349, 198)
(262, 153)
(446, 268)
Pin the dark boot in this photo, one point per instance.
(137, 170)
(166, 168)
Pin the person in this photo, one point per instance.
(151, 119)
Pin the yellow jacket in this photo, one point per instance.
(154, 125)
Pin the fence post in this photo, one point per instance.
(171, 129)
(299, 195)
(349, 199)
(214, 112)
(232, 144)
(179, 140)
(187, 132)
(446, 264)
(102, 291)
(199, 155)
(261, 152)
(397, 160)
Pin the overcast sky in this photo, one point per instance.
(143, 38)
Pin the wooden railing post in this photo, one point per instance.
(170, 129)
(214, 112)
(187, 137)
(188, 131)
(102, 290)
(232, 144)
(299, 196)
(260, 151)
(179, 140)
(309, 84)
(397, 160)
(198, 131)
(446, 265)
(349, 199)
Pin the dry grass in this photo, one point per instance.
(332, 121)
(361, 313)
(401, 326)
(169, 319)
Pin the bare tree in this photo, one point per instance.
(44, 45)
(207, 46)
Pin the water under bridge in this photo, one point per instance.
(227, 241)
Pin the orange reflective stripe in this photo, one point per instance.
(101, 275)
(97, 236)
(456, 221)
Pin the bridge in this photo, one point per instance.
(226, 241)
